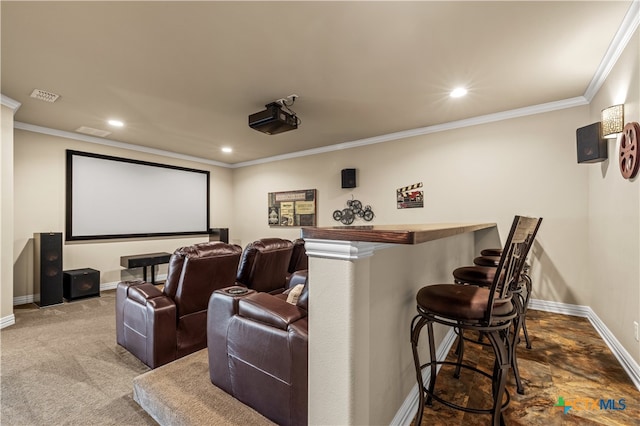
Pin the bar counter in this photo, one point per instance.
(362, 286)
(395, 234)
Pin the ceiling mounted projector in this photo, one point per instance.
(276, 118)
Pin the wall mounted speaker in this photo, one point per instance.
(592, 148)
(47, 263)
(348, 178)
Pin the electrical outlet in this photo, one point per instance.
(635, 331)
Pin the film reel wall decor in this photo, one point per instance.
(628, 153)
(353, 210)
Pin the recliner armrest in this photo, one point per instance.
(223, 306)
(143, 292)
(297, 277)
(122, 292)
(269, 310)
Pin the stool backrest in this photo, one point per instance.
(514, 254)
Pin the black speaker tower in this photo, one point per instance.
(348, 178)
(47, 263)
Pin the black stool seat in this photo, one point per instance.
(492, 261)
(461, 302)
(491, 252)
(477, 275)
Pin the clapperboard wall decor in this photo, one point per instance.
(410, 197)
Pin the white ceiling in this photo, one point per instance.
(184, 76)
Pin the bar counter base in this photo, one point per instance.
(363, 296)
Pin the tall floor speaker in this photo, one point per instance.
(47, 262)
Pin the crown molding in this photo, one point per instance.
(8, 102)
(344, 250)
(628, 27)
(475, 121)
(116, 144)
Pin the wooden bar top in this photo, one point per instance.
(393, 234)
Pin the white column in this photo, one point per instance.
(362, 299)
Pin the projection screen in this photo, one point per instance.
(112, 197)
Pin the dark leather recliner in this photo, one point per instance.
(299, 259)
(160, 326)
(264, 265)
(299, 263)
(258, 351)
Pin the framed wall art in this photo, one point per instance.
(292, 208)
(410, 197)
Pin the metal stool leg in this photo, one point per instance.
(527, 281)
(416, 326)
(499, 342)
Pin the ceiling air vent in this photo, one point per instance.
(93, 132)
(43, 95)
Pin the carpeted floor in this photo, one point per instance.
(60, 365)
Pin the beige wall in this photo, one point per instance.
(486, 173)
(6, 214)
(614, 213)
(40, 207)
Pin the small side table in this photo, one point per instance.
(144, 260)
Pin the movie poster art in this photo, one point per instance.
(292, 208)
(410, 197)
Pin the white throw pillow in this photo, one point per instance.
(294, 294)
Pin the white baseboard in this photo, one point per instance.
(7, 321)
(560, 308)
(404, 415)
(30, 298)
(23, 300)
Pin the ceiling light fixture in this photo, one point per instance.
(227, 149)
(116, 123)
(458, 92)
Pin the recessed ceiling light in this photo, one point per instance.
(116, 123)
(458, 92)
(227, 149)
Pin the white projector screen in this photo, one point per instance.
(111, 197)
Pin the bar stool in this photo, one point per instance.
(482, 274)
(489, 310)
(490, 257)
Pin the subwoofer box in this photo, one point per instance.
(80, 283)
